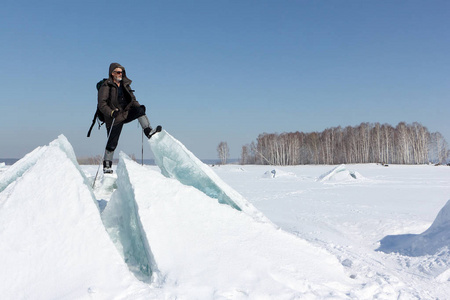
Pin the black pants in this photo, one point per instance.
(133, 114)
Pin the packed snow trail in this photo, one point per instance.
(205, 250)
(176, 161)
(53, 244)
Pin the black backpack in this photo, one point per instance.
(98, 114)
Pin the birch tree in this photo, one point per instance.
(224, 152)
(365, 143)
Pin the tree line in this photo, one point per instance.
(365, 143)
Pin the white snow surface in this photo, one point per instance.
(295, 236)
(428, 242)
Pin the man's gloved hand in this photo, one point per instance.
(114, 113)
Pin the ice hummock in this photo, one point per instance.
(339, 174)
(53, 244)
(176, 161)
(21, 166)
(29, 160)
(429, 242)
(270, 174)
(200, 249)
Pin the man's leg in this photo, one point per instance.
(143, 120)
(107, 161)
(145, 124)
(139, 113)
(111, 146)
(135, 113)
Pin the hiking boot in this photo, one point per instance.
(148, 131)
(107, 167)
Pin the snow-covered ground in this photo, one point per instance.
(252, 232)
(348, 217)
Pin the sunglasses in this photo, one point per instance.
(118, 72)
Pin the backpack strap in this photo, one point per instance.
(92, 125)
(99, 84)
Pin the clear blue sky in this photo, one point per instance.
(212, 71)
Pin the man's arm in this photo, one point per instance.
(103, 96)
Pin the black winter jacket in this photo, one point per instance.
(108, 97)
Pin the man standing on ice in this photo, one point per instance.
(119, 106)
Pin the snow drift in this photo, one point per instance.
(277, 173)
(339, 174)
(53, 244)
(428, 242)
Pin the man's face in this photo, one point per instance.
(117, 74)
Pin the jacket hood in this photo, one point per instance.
(117, 65)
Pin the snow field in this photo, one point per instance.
(303, 232)
(349, 218)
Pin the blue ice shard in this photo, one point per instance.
(122, 222)
(176, 161)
